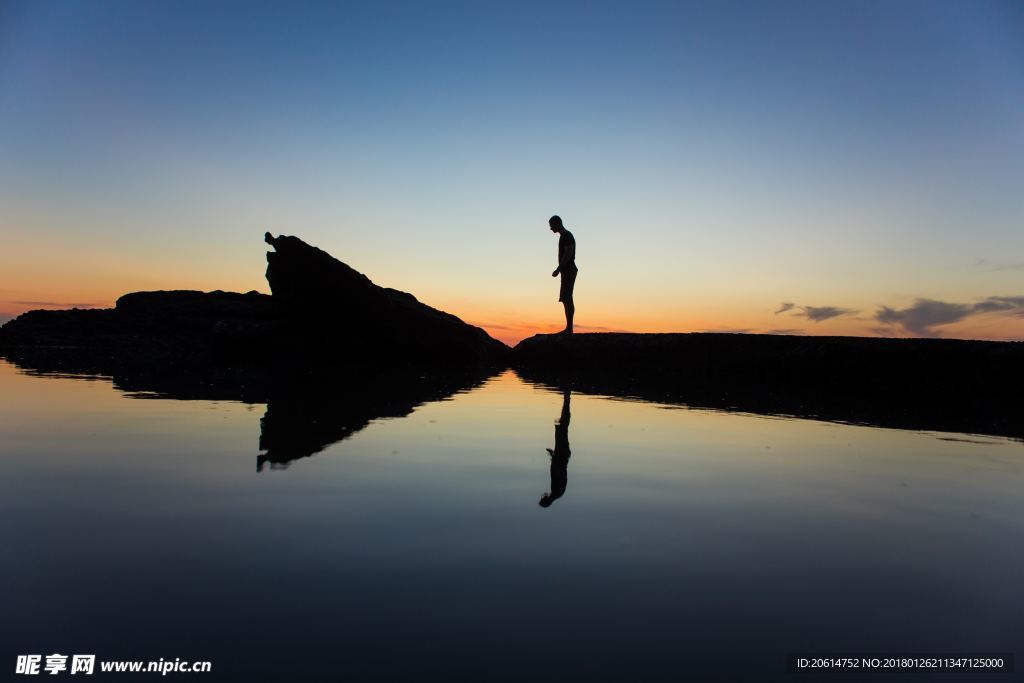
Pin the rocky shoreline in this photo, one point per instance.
(930, 384)
(327, 325)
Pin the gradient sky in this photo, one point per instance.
(818, 167)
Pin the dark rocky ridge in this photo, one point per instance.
(322, 312)
(328, 308)
(933, 384)
(173, 328)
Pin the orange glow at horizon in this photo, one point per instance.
(510, 321)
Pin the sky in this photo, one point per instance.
(787, 167)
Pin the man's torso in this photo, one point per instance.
(567, 251)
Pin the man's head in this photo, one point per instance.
(555, 223)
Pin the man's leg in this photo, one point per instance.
(565, 296)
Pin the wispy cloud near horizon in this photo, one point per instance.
(996, 266)
(57, 304)
(814, 313)
(785, 306)
(820, 313)
(729, 330)
(925, 315)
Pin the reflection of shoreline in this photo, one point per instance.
(308, 409)
(912, 408)
(559, 454)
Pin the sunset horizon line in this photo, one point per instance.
(511, 332)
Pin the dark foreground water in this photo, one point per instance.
(685, 544)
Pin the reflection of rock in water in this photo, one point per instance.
(303, 420)
(307, 410)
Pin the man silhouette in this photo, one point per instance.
(566, 268)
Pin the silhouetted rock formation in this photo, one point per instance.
(328, 308)
(176, 327)
(322, 312)
(935, 384)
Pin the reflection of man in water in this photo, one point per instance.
(566, 268)
(560, 455)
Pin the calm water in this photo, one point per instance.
(684, 541)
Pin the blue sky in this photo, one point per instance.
(713, 159)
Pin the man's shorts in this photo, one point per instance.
(568, 282)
